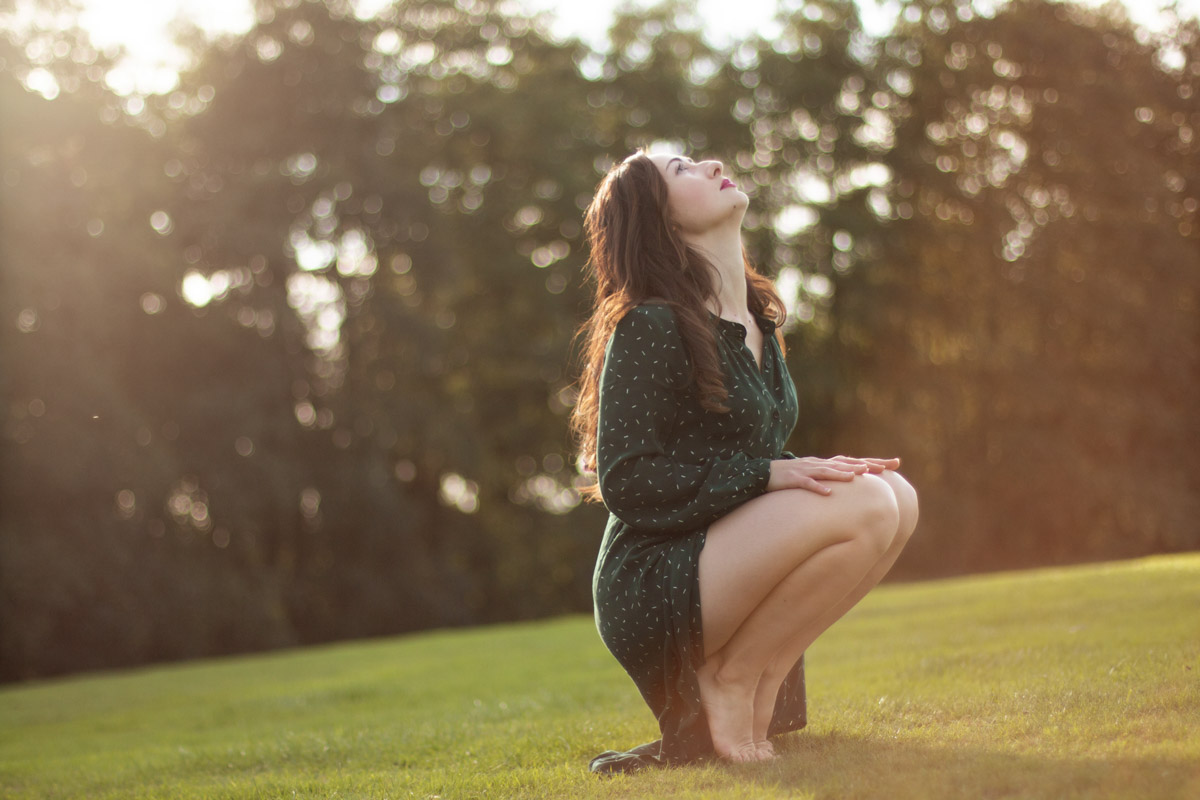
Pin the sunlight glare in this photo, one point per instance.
(153, 61)
(196, 289)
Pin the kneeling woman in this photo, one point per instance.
(724, 557)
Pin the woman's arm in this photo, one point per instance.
(640, 483)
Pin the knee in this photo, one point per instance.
(906, 502)
(876, 518)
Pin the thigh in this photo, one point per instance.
(752, 548)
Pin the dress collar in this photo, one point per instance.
(764, 324)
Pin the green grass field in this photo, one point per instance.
(1067, 683)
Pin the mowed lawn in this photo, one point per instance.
(1078, 682)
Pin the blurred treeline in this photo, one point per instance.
(287, 353)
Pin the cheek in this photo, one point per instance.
(686, 202)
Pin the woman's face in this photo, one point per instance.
(699, 195)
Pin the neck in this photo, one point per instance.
(724, 249)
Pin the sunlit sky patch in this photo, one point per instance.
(153, 61)
(142, 27)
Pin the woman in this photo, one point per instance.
(724, 557)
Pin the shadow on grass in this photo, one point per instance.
(839, 766)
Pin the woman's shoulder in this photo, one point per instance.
(653, 317)
(649, 341)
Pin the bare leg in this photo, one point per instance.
(826, 545)
(730, 677)
(775, 674)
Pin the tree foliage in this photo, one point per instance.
(285, 353)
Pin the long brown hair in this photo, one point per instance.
(636, 256)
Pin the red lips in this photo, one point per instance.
(725, 184)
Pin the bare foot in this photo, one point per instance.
(729, 707)
(766, 750)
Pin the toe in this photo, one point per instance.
(744, 753)
(765, 749)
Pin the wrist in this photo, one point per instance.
(770, 485)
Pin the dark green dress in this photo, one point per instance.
(668, 469)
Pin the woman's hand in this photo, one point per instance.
(806, 473)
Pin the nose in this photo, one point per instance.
(716, 168)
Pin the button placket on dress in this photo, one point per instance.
(736, 333)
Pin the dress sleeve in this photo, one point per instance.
(640, 482)
(786, 454)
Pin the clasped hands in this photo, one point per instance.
(806, 473)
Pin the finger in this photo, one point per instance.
(831, 473)
(816, 486)
(844, 460)
(864, 465)
(867, 465)
(887, 463)
(842, 466)
(861, 464)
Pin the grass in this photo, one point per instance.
(1081, 682)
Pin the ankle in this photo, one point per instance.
(730, 673)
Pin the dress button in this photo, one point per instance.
(775, 414)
